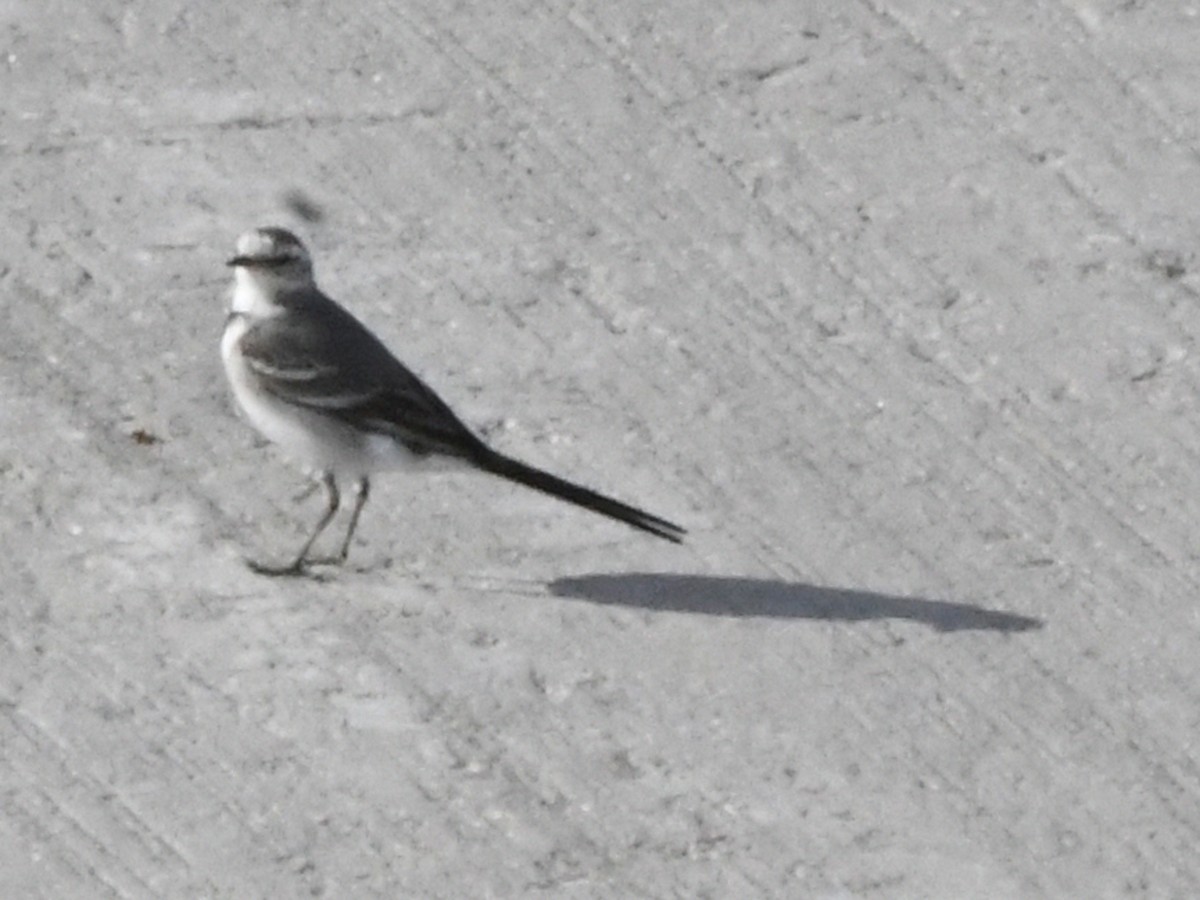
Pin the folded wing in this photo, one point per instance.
(320, 357)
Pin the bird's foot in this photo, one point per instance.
(294, 569)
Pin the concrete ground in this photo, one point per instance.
(894, 304)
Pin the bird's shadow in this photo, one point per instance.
(763, 598)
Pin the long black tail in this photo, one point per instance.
(509, 468)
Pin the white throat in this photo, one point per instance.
(254, 295)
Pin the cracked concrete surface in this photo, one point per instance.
(892, 304)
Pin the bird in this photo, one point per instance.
(314, 380)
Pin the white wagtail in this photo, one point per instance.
(313, 379)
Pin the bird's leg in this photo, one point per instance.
(362, 490)
(296, 567)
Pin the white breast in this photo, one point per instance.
(286, 425)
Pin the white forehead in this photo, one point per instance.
(270, 242)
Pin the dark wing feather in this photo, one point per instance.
(320, 357)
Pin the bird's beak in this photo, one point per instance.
(240, 261)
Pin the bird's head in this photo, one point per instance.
(274, 256)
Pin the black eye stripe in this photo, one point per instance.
(276, 260)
